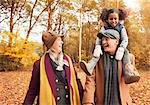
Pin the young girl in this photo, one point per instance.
(112, 20)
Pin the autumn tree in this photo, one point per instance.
(13, 10)
(138, 30)
(31, 11)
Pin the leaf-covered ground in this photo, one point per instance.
(13, 87)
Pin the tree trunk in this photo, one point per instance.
(32, 25)
(11, 25)
(60, 22)
(49, 16)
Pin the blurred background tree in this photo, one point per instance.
(139, 34)
(19, 55)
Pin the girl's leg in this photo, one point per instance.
(126, 57)
(126, 60)
(88, 67)
(129, 69)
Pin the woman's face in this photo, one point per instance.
(57, 45)
(113, 19)
(109, 45)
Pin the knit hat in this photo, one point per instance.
(111, 33)
(49, 37)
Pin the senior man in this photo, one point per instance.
(106, 85)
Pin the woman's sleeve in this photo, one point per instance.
(80, 87)
(33, 90)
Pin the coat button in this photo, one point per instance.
(58, 98)
(67, 96)
(56, 80)
(66, 87)
(57, 89)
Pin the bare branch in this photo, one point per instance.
(32, 25)
(38, 16)
(31, 15)
(19, 12)
(55, 5)
(17, 20)
(8, 2)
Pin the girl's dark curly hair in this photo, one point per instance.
(113, 10)
(105, 13)
(122, 14)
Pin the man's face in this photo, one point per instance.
(109, 45)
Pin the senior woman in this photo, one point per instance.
(54, 80)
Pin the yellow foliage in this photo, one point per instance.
(24, 54)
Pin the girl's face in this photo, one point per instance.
(113, 19)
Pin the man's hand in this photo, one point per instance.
(119, 53)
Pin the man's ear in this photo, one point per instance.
(117, 42)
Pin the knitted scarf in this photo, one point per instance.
(46, 95)
(111, 85)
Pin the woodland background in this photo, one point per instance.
(76, 19)
(64, 16)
